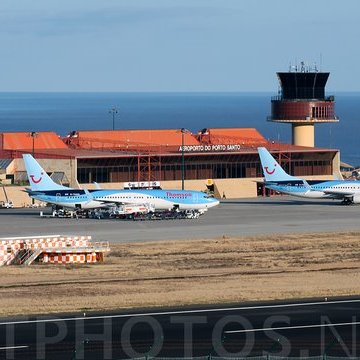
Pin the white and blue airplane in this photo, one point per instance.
(277, 179)
(44, 189)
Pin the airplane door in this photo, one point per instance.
(58, 195)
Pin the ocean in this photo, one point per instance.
(65, 112)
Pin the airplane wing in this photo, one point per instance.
(105, 202)
(115, 202)
(33, 192)
(339, 194)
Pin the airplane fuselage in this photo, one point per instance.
(160, 199)
(333, 189)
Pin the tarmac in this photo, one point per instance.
(296, 329)
(311, 328)
(236, 218)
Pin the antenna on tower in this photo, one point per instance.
(320, 61)
(302, 64)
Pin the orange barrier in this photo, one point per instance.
(54, 249)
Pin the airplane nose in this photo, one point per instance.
(214, 202)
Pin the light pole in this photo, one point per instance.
(113, 111)
(33, 134)
(183, 131)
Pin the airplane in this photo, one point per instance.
(44, 189)
(277, 179)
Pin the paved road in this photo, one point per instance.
(232, 217)
(303, 336)
(299, 329)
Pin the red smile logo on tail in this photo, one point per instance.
(268, 171)
(36, 181)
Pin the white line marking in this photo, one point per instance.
(292, 327)
(14, 347)
(181, 312)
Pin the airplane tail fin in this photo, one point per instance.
(271, 168)
(38, 178)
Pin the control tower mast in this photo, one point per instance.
(302, 102)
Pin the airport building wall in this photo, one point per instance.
(66, 166)
(17, 195)
(336, 166)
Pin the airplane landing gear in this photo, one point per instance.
(347, 201)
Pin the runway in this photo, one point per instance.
(302, 329)
(291, 329)
(231, 218)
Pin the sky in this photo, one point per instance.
(174, 45)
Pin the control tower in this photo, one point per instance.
(302, 102)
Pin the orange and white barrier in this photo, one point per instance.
(63, 258)
(54, 249)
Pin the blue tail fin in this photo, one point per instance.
(38, 178)
(271, 168)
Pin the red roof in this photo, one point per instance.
(241, 136)
(240, 133)
(132, 142)
(24, 141)
(108, 138)
(138, 141)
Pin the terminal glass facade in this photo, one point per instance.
(203, 166)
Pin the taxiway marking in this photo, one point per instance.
(292, 327)
(14, 347)
(176, 312)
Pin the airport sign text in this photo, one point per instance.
(210, 148)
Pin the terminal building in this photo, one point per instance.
(222, 160)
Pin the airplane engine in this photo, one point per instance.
(356, 199)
